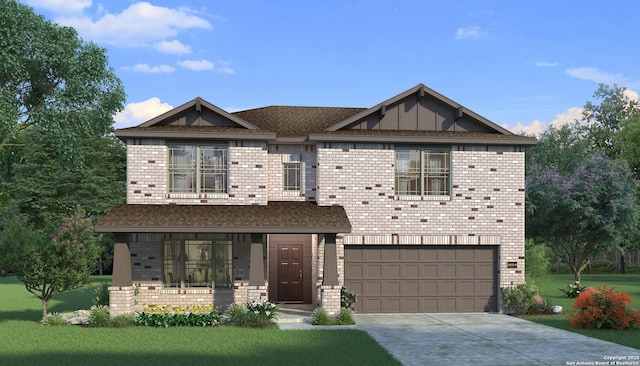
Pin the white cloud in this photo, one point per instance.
(174, 47)
(631, 94)
(61, 6)
(200, 65)
(140, 24)
(546, 64)
(152, 69)
(537, 127)
(470, 32)
(224, 67)
(593, 74)
(136, 113)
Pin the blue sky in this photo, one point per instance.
(523, 65)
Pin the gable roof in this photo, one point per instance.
(417, 115)
(196, 119)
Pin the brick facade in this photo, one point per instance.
(486, 205)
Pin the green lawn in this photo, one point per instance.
(24, 342)
(550, 291)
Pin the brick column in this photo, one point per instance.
(121, 291)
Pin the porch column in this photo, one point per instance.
(121, 261)
(330, 289)
(256, 264)
(330, 277)
(257, 288)
(121, 291)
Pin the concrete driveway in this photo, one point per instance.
(487, 339)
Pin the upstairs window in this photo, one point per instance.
(422, 172)
(197, 169)
(291, 177)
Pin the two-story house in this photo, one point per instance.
(415, 204)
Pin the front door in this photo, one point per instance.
(290, 272)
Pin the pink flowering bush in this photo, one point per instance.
(57, 259)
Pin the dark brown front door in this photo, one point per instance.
(290, 272)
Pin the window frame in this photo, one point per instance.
(190, 263)
(196, 170)
(287, 170)
(418, 175)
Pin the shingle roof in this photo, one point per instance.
(288, 121)
(275, 217)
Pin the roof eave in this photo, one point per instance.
(140, 134)
(524, 141)
(234, 229)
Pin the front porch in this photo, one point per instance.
(280, 268)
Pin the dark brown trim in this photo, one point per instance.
(198, 103)
(225, 229)
(515, 140)
(150, 134)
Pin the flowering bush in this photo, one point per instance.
(261, 313)
(256, 313)
(167, 315)
(602, 308)
(573, 289)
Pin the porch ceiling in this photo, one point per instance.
(275, 217)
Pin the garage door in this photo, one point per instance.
(410, 279)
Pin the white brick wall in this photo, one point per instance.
(147, 177)
(486, 205)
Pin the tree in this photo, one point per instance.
(49, 261)
(49, 184)
(604, 120)
(583, 211)
(50, 77)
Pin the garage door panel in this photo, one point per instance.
(411, 270)
(429, 270)
(419, 279)
(447, 271)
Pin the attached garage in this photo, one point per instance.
(420, 279)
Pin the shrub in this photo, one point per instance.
(261, 314)
(167, 315)
(573, 289)
(520, 298)
(347, 299)
(99, 316)
(603, 266)
(345, 317)
(236, 315)
(53, 320)
(121, 321)
(537, 259)
(101, 295)
(602, 308)
(320, 317)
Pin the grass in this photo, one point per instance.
(24, 342)
(550, 291)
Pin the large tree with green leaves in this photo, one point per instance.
(50, 77)
(580, 208)
(604, 120)
(52, 260)
(48, 183)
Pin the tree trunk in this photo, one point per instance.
(622, 270)
(637, 260)
(45, 308)
(559, 266)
